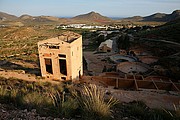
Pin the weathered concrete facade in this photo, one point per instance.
(61, 57)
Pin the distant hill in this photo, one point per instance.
(38, 18)
(7, 17)
(169, 31)
(157, 17)
(93, 17)
(135, 18)
(29, 20)
(25, 17)
(163, 17)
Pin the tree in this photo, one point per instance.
(123, 42)
(100, 39)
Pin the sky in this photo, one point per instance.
(71, 8)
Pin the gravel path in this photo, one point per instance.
(8, 112)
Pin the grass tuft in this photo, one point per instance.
(92, 101)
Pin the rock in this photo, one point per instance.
(125, 118)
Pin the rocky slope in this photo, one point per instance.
(8, 112)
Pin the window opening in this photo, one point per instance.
(62, 55)
(48, 64)
(54, 47)
(63, 78)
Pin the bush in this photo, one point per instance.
(92, 102)
(65, 106)
(140, 110)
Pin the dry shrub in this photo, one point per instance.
(92, 102)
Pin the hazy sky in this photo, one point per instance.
(111, 8)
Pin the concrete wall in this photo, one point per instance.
(76, 59)
(104, 48)
(73, 52)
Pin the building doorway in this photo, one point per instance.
(62, 66)
(48, 64)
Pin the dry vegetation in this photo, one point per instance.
(57, 100)
(19, 44)
(64, 100)
(17, 41)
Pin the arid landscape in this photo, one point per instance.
(131, 67)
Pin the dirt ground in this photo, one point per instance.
(154, 99)
(17, 74)
(96, 62)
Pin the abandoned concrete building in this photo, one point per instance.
(106, 46)
(61, 57)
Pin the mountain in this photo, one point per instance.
(163, 17)
(92, 17)
(25, 17)
(157, 17)
(7, 17)
(38, 18)
(135, 18)
(175, 15)
(169, 31)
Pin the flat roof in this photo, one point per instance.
(68, 36)
(64, 36)
(108, 42)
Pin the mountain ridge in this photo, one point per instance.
(157, 17)
(5, 16)
(92, 16)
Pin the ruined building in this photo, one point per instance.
(106, 46)
(61, 57)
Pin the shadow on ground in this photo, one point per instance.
(6, 65)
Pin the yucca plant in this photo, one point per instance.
(3, 91)
(92, 101)
(57, 100)
(177, 110)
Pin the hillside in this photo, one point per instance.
(163, 17)
(25, 17)
(157, 17)
(39, 18)
(92, 17)
(169, 31)
(7, 17)
(135, 18)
